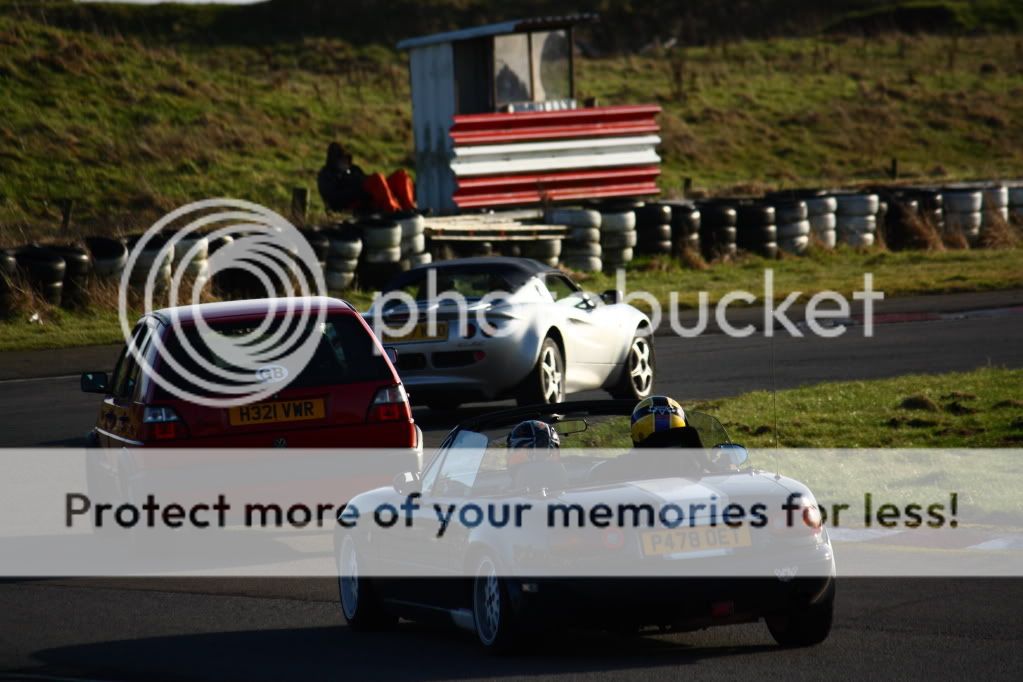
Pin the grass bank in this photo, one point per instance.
(132, 123)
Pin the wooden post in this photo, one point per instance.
(894, 170)
(299, 204)
(687, 186)
(67, 207)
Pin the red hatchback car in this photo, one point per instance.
(347, 396)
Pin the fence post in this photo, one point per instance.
(894, 170)
(67, 207)
(299, 204)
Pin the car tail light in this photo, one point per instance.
(162, 423)
(812, 519)
(389, 405)
(470, 331)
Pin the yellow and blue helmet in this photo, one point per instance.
(656, 414)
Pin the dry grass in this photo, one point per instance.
(999, 234)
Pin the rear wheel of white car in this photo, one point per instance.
(546, 383)
(359, 603)
(804, 626)
(491, 612)
(637, 377)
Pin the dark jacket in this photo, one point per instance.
(341, 187)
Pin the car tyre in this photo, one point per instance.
(805, 626)
(545, 384)
(637, 378)
(359, 603)
(491, 608)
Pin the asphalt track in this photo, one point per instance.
(291, 629)
(52, 411)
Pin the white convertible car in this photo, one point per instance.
(529, 332)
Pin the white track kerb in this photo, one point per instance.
(272, 251)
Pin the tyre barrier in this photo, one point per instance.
(618, 222)
(963, 212)
(318, 242)
(995, 205)
(108, 256)
(856, 215)
(149, 258)
(343, 242)
(381, 239)
(1016, 203)
(413, 234)
(653, 229)
(414, 244)
(44, 270)
(581, 249)
(77, 270)
(573, 217)
(583, 263)
(546, 251)
(685, 227)
(820, 212)
(717, 229)
(755, 228)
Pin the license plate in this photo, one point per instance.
(280, 411)
(421, 332)
(699, 539)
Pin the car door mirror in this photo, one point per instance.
(736, 455)
(611, 296)
(392, 354)
(407, 483)
(95, 382)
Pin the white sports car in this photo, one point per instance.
(494, 328)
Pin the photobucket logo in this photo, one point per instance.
(228, 361)
(398, 314)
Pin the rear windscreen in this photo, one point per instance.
(345, 354)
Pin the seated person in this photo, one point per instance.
(658, 430)
(345, 187)
(534, 457)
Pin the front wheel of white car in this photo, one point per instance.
(637, 377)
(546, 383)
(359, 602)
(491, 610)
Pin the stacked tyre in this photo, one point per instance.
(191, 253)
(717, 229)
(995, 206)
(820, 212)
(653, 229)
(856, 219)
(319, 243)
(43, 269)
(581, 249)
(618, 236)
(685, 228)
(546, 250)
(756, 231)
(108, 256)
(963, 212)
(1016, 204)
(77, 270)
(344, 246)
(150, 259)
(413, 239)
